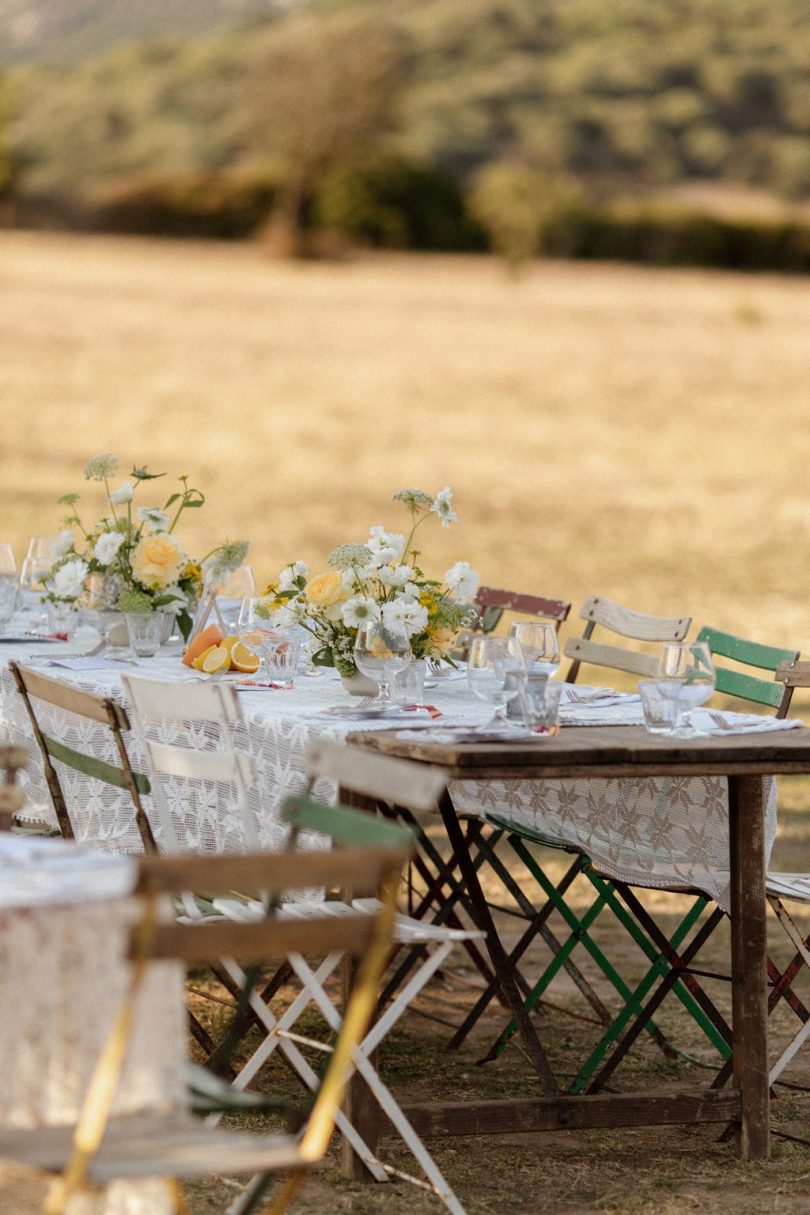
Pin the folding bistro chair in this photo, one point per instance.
(87, 712)
(181, 773)
(492, 603)
(101, 1148)
(626, 624)
(675, 962)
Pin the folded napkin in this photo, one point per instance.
(708, 721)
(468, 734)
(627, 712)
(92, 664)
(576, 694)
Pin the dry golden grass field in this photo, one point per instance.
(639, 433)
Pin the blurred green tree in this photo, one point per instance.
(323, 97)
(511, 200)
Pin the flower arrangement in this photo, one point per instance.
(130, 560)
(377, 580)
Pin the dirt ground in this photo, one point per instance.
(628, 1172)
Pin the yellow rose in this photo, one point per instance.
(326, 589)
(158, 560)
(441, 642)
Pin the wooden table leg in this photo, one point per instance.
(500, 962)
(748, 963)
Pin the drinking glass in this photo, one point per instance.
(539, 703)
(253, 629)
(144, 630)
(380, 652)
(540, 645)
(230, 592)
(8, 583)
(280, 654)
(37, 563)
(495, 670)
(686, 675)
(408, 685)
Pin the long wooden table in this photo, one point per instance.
(629, 752)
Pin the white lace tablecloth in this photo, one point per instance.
(64, 974)
(655, 831)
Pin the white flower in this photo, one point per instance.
(396, 576)
(287, 578)
(410, 591)
(101, 468)
(107, 546)
(62, 545)
(442, 507)
(386, 546)
(122, 495)
(462, 581)
(68, 580)
(156, 520)
(178, 600)
(406, 615)
(358, 610)
(281, 618)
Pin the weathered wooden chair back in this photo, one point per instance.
(492, 603)
(207, 715)
(744, 684)
(398, 782)
(637, 626)
(35, 687)
(12, 761)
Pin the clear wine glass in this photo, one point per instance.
(380, 651)
(540, 646)
(35, 567)
(252, 627)
(686, 675)
(8, 583)
(495, 670)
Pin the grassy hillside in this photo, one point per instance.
(630, 99)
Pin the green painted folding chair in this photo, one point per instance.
(524, 841)
(677, 962)
(102, 1147)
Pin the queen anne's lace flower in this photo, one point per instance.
(225, 560)
(101, 468)
(350, 556)
(414, 499)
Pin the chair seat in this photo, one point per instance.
(407, 930)
(156, 1146)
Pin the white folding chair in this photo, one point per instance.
(212, 714)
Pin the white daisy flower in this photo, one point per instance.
(107, 546)
(410, 591)
(462, 580)
(156, 520)
(287, 578)
(359, 610)
(386, 546)
(443, 508)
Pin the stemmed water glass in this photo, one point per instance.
(540, 646)
(496, 669)
(686, 676)
(8, 583)
(381, 651)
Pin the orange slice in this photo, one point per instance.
(217, 659)
(211, 635)
(243, 659)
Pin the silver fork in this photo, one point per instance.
(719, 720)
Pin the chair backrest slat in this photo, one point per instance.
(638, 626)
(396, 781)
(793, 673)
(73, 700)
(98, 769)
(495, 602)
(267, 939)
(348, 827)
(753, 654)
(187, 763)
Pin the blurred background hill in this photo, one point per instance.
(662, 132)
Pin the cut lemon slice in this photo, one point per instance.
(243, 659)
(197, 662)
(216, 660)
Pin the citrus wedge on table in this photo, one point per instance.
(205, 640)
(217, 659)
(243, 659)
